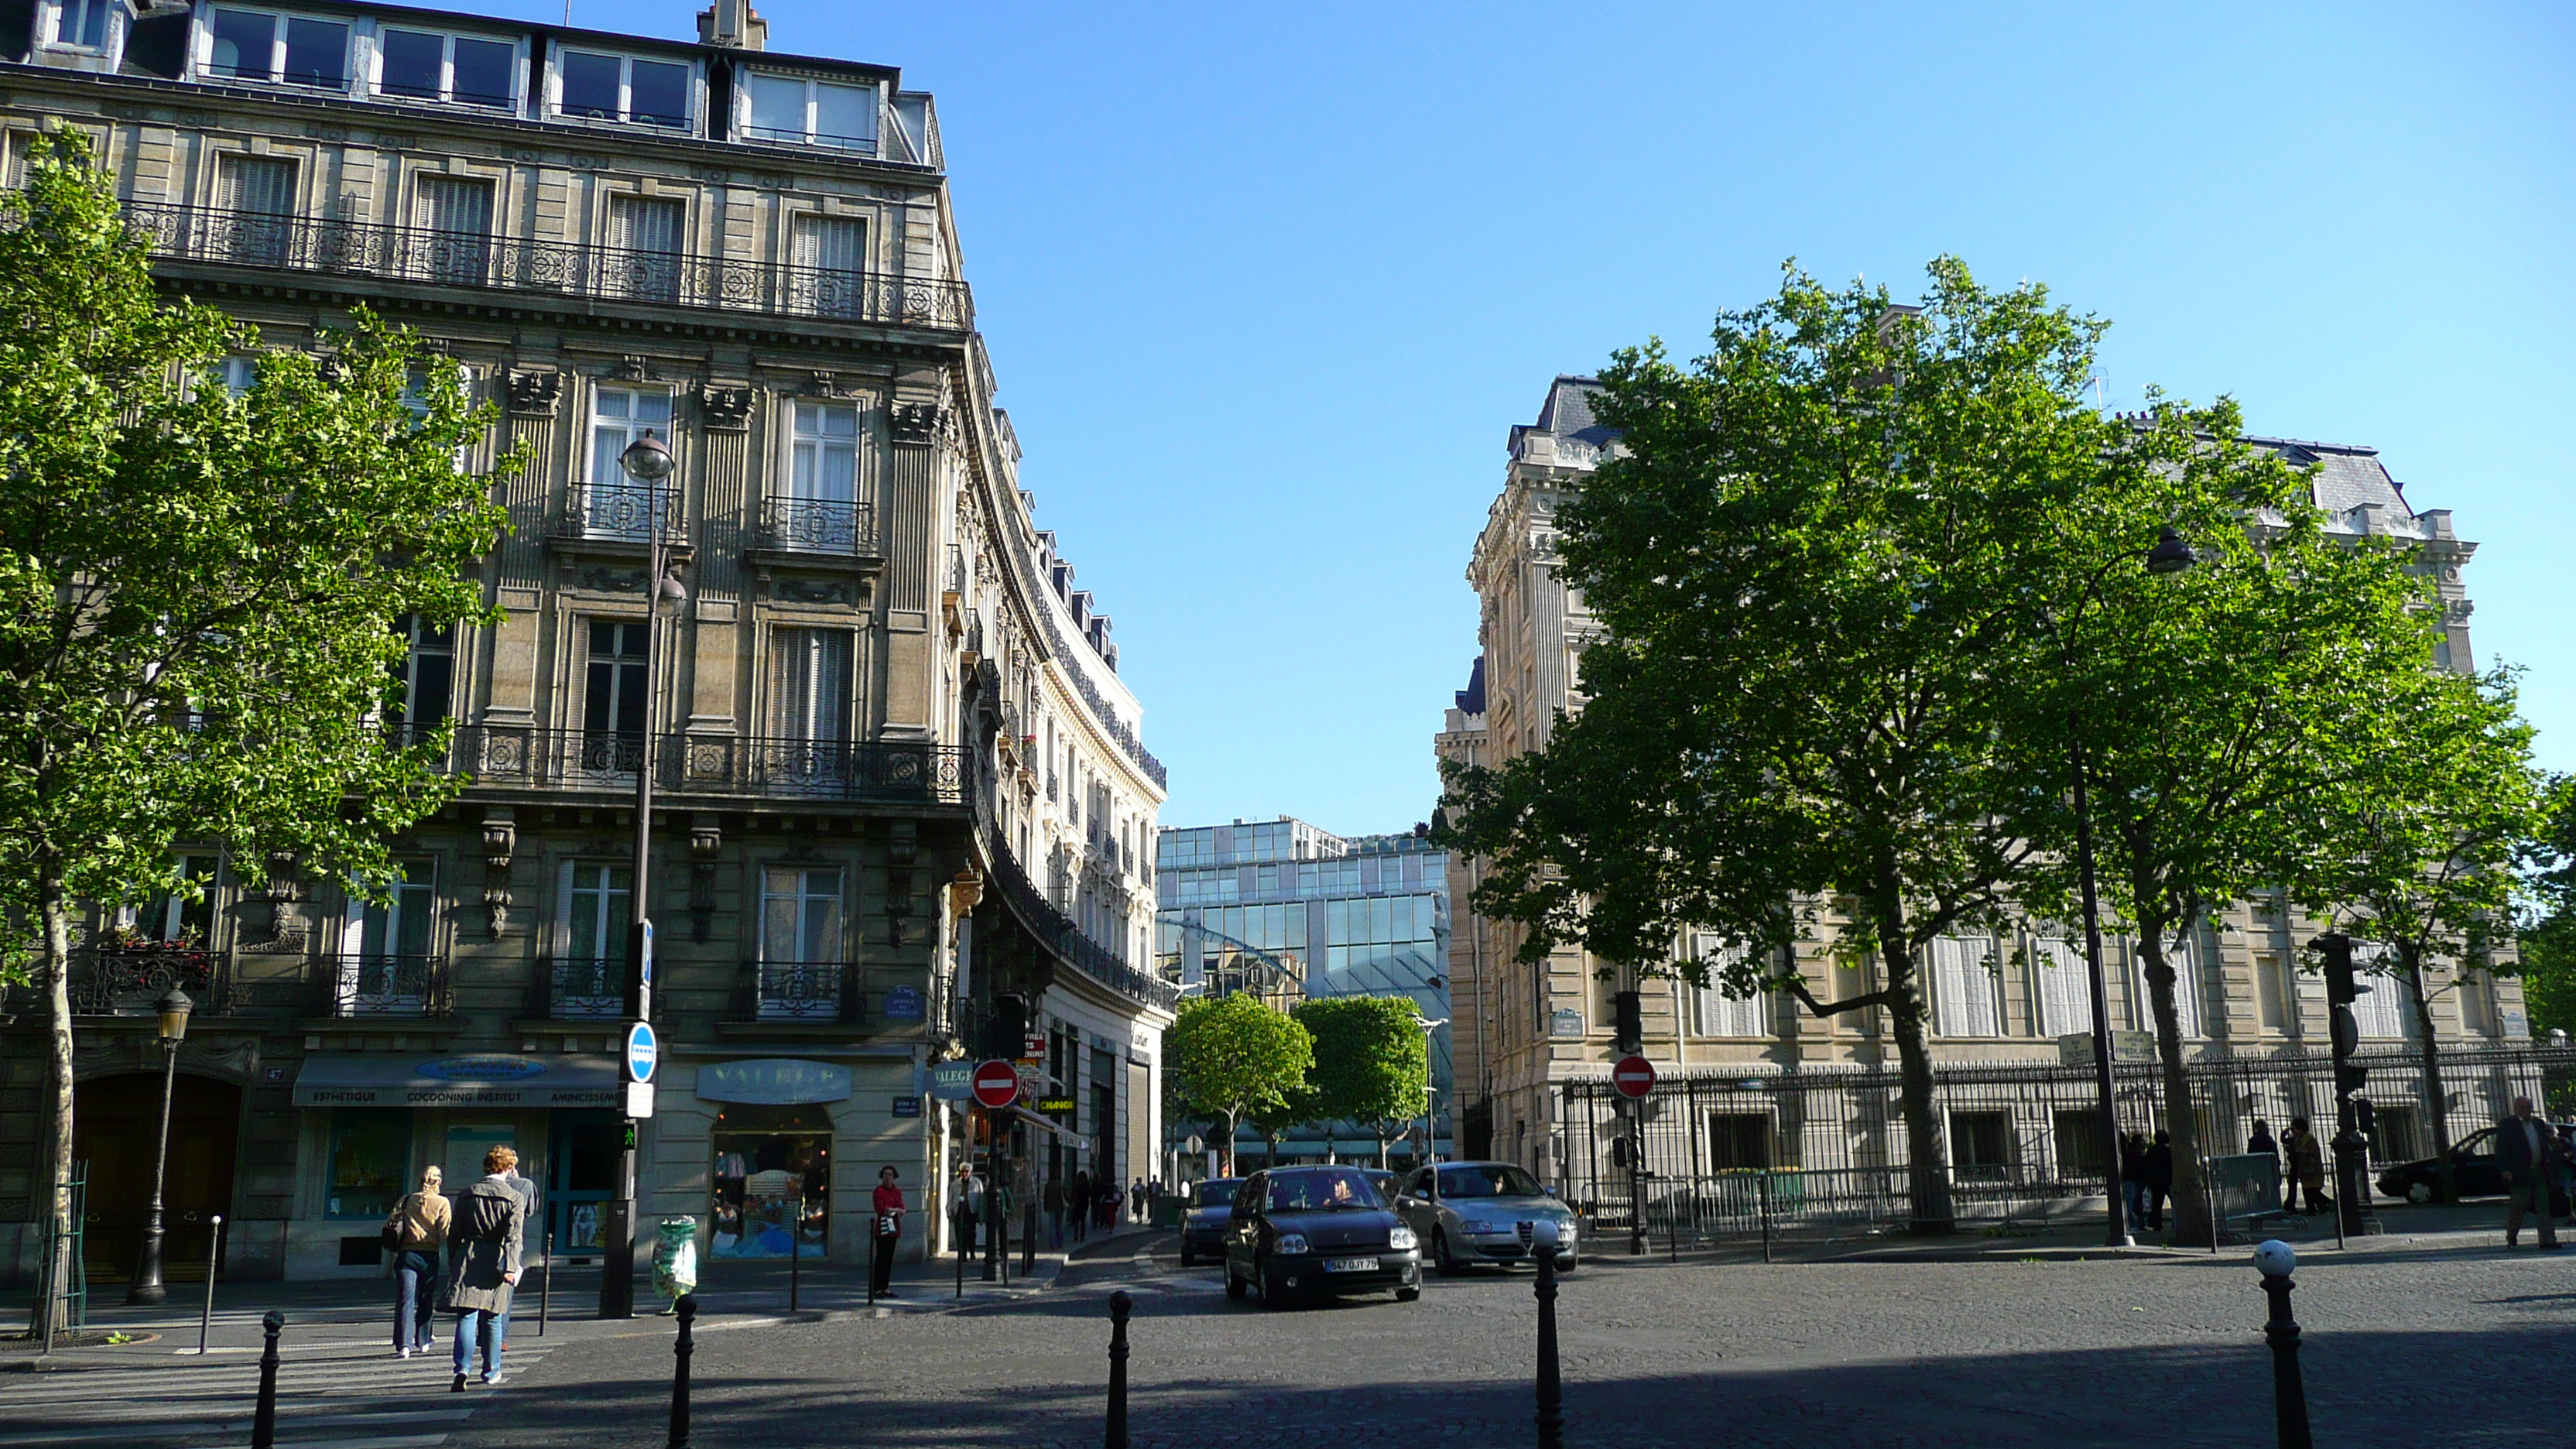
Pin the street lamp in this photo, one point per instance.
(2170, 555)
(173, 1009)
(647, 461)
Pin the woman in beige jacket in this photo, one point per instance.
(419, 1225)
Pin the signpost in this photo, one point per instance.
(952, 1081)
(1634, 1076)
(997, 1084)
(996, 1087)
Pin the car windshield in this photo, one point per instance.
(1489, 1179)
(1218, 1192)
(1322, 1191)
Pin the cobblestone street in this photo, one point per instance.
(2401, 1346)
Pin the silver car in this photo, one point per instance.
(1484, 1213)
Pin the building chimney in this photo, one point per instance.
(733, 23)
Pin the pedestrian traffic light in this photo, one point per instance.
(1631, 1020)
(2341, 988)
(2348, 1078)
(2365, 1116)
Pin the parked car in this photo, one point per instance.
(1203, 1228)
(2473, 1170)
(1295, 1231)
(1485, 1213)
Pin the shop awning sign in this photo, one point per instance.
(357, 1079)
(952, 1081)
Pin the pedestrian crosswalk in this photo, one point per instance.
(342, 1391)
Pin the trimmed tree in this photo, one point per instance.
(201, 586)
(1229, 1057)
(1372, 1061)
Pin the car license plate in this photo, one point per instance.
(1350, 1265)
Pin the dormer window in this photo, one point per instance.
(807, 112)
(262, 45)
(595, 87)
(82, 24)
(464, 70)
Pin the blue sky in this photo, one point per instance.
(1265, 286)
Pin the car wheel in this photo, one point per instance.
(1234, 1287)
(1572, 1262)
(1440, 1259)
(2419, 1192)
(1272, 1295)
(1408, 1295)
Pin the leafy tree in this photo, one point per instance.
(1811, 572)
(2418, 843)
(1372, 1062)
(1231, 1056)
(200, 586)
(1275, 1120)
(2546, 914)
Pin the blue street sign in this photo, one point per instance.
(648, 957)
(641, 1052)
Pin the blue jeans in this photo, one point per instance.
(415, 1298)
(475, 1326)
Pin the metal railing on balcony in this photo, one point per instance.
(580, 989)
(507, 756)
(394, 253)
(620, 512)
(384, 984)
(800, 991)
(1059, 934)
(816, 525)
(126, 980)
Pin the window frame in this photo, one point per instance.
(114, 16)
(873, 144)
(693, 124)
(201, 53)
(515, 106)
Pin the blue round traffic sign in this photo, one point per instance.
(642, 1052)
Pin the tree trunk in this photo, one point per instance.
(2191, 1227)
(1230, 1128)
(55, 961)
(2446, 1185)
(1927, 1173)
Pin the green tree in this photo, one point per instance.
(2546, 915)
(201, 587)
(2414, 847)
(1231, 1056)
(1274, 1120)
(1372, 1062)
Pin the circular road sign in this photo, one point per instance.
(997, 1084)
(1634, 1076)
(642, 1052)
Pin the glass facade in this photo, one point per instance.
(1292, 912)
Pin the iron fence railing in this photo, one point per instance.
(620, 512)
(817, 525)
(126, 980)
(584, 988)
(468, 259)
(1058, 933)
(1722, 1155)
(801, 991)
(507, 756)
(384, 984)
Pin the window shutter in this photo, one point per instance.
(263, 185)
(456, 204)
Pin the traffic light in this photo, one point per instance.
(2365, 1116)
(2348, 1078)
(1631, 1021)
(2341, 988)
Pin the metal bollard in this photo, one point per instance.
(1766, 1215)
(1551, 1395)
(795, 1251)
(1029, 1237)
(681, 1348)
(263, 1420)
(546, 1281)
(1120, 1305)
(214, 1255)
(2289, 1392)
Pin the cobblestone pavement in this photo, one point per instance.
(2402, 1346)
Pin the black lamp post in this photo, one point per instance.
(2170, 555)
(648, 461)
(173, 1008)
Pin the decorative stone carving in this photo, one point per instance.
(500, 842)
(821, 384)
(915, 422)
(612, 581)
(272, 920)
(535, 393)
(812, 591)
(903, 848)
(706, 843)
(634, 369)
(725, 409)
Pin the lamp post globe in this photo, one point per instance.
(646, 459)
(173, 1008)
(2172, 553)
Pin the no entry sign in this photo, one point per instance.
(997, 1084)
(1633, 1076)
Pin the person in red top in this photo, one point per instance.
(888, 1208)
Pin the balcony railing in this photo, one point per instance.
(1059, 934)
(467, 259)
(384, 984)
(580, 989)
(620, 512)
(800, 991)
(815, 525)
(504, 756)
(127, 980)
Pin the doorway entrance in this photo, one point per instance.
(773, 1182)
(582, 1145)
(116, 1122)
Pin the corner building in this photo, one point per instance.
(898, 777)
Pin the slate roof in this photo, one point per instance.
(1567, 413)
(2348, 476)
(1472, 698)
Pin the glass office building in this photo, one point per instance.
(1292, 912)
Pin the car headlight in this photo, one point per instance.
(1475, 1225)
(1290, 1243)
(1400, 1238)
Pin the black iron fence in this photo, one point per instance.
(1061, 935)
(588, 988)
(129, 980)
(505, 756)
(472, 259)
(818, 525)
(801, 991)
(1727, 1155)
(384, 984)
(620, 512)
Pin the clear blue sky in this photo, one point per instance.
(1266, 285)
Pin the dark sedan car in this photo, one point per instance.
(2473, 1169)
(1203, 1229)
(1298, 1231)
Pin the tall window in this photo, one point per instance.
(613, 504)
(426, 675)
(259, 193)
(830, 255)
(645, 234)
(612, 713)
(813, 695)
(458, 211)
(170, 916)
(800, 944)
(2065, 986)
(2183, 954)
(425, 66)
(1963, 987)
(2382, 1013)
(598, 904)
(821, 509)
(1713, 1011)
(385, 954)
(597, 87)
(810, 112)
(82, 24)
(297, 49)
(404, 923)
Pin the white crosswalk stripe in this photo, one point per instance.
(343, 1393)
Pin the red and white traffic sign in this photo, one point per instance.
(997, 1084)
(1633, 1076)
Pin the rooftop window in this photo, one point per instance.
(810, 112)
(82, 24)
(296, 50)
(467, 70)
(596, 87)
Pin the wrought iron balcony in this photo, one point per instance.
(620, 512)
(466, 259)
(580, 989)
(384, 984)
(800, 991)
(1058, 932)
(814, 525)
(125, 980)
(508, 757)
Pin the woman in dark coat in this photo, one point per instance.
(486, 1224)
(2156, 1166)
(1079, 1199)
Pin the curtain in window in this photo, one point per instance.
(457, 211)
(830, 257)
(1963, 984)
(259, 194)
(1713, 1012)
(646, 233)
(2065, 986)
(2382, 1012)
(814, 684)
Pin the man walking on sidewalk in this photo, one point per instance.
(2522, 1154)
(888, 1210)
(1055, 1211)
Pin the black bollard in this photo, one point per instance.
(681, 1348)
(1551, 1395)
(546, 1280)
(1120, 1305)
(795, 1251)
(2289, 1391)
(263, 1420)
(214, 1255)
(1029, 1236)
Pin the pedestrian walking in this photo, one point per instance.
(1079, 1201)
(1053, 1201)
(2307, 1168)
(1107, 1208)
(2133, 1176)
(417, 1230)
(2525, 1149)
(887, 1206)
(2156, 1164)
(1136, 1201)
(526, 1188)
(2261, 1143)
(970, 1207)
(486, 1224)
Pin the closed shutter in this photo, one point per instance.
(1714, 1013)
(457, 212)
(2182, 953)
(830, 260)
(2065, 987)
(258, 193)
(1964, 985)
(2381, 1013)
(644, 234)
(814, 684)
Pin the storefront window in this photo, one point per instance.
(370, 1160)
(773, 1182)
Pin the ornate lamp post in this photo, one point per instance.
(173, 1008)
(648, 461)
